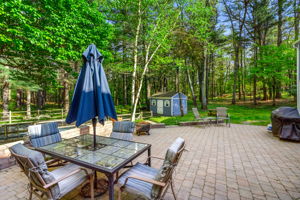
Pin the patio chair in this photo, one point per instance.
(43, 183)
(123, 130)
(223, 115)
(203, 119)
(145, 182)
(45, 134)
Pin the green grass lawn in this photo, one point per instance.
(241, 113)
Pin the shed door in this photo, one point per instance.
(160, 107)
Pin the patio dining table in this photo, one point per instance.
(109, 156)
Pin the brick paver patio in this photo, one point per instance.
(241, 162)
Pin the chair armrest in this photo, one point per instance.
(148, 180)
(51, 161)
(155, 157)
(64, 177)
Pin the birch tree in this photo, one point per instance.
(159, 20)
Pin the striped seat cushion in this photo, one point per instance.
(44, 134)
(136, 187)
(70, 183)
(40, 167)
(122, 136)
(124, 127)
(165, 170)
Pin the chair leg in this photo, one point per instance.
(119, 194)
(92, 186)
(172, 188)
(30, 191)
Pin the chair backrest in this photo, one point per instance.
(171, 160)
(33, 164)
(222, 111)
(44, 134)
(123, 130)
(196, 113)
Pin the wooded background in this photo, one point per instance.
(207, 49)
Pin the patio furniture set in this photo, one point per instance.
(79, 161)
(221, 115)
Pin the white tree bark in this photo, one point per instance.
(135, 54)
(28, 103)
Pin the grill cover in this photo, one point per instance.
(286, 123)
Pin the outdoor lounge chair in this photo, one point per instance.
(55, 184)
(223, 115)
(123, 130)
(203, 119)
(145, 182)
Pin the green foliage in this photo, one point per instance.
(240, 114)
(274, 62)
(41, 37)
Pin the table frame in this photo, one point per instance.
(108, 172)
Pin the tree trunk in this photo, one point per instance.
(274, 90)
(40, 99)
(66, 93)
(19, 98)
(192, 89)
(296, 18)
(125, 89)
(177, 80)
(235, 72)
(279, 24)
(203, 83)
(148, 92)
(28, 104)
(5, 98)
(265, 95)
(135, 55)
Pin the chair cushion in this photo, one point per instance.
(122, 136)
(40, 165)
(168, 164)
(42, 130)
(136, 187)
(71, 182)
(124, 127)
(46, 140)
(35, 157)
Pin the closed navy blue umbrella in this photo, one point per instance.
(92, 96)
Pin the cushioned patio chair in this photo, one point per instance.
(123, 130)
(44, 134)
(223, 115)
(205, 120)
(43, 183)
(144, 182)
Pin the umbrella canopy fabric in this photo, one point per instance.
(92, 96)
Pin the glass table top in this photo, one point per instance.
(109, 152)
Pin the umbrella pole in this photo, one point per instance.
(94, 130)
(94, 120)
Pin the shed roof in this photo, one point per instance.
(167, 94)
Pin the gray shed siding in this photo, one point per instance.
(168, 106)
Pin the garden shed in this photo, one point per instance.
(168, 104)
